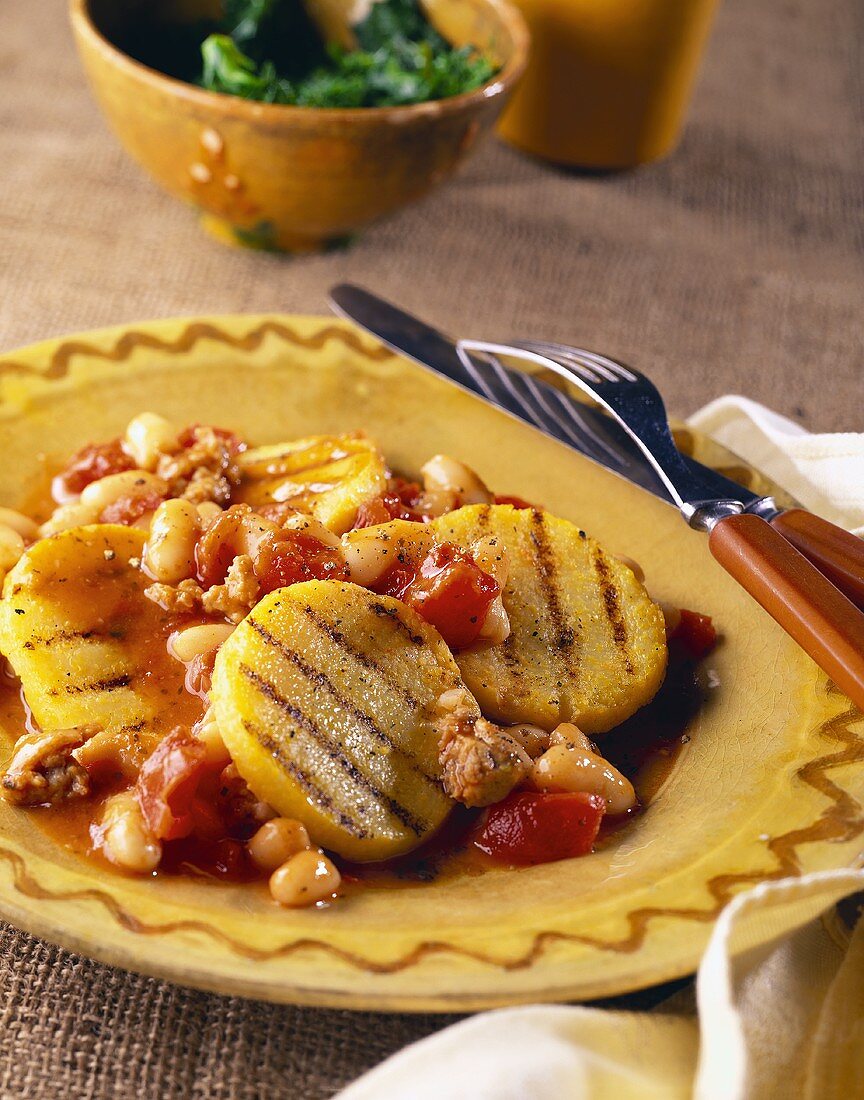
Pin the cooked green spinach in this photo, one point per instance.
(268, 50)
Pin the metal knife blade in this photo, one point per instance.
(582, 427)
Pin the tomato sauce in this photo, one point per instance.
(644, 748)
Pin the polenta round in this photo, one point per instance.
(325, 696)
(587, 644)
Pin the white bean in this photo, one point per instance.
(368, 555)
(129, 483)
(68, 516)
(198, 641)
(568, 734)
(437, 502)
(126, 839)
(276, 841)
(533, 739)
(148, 437)
(304, 879)
(564, 768)
(11, 547)
(169, 555)
(443, 473)
(313, 528)
(26, 527)
(496, 625)
(207, 731)
(208, 510)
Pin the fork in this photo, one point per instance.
(802, 600)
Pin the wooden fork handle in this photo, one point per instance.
(835, 552)
(794, 593)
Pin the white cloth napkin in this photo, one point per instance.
(824, 472)
(784, 1019)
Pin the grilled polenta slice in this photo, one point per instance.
(326, 476)
(586, 645)
(325, 695)
(86, 642)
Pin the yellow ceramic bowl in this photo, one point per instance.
(294, 178)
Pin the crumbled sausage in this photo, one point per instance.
(206, 470)
(480, 762)
(42, 770)
(238, 595)
(178, 599)
(234, 599)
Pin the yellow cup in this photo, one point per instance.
(608, 81)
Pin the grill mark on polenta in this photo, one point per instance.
(515, 685)
(313, 791)
(391, 613)
(612, 607)
(112, 684)
(317, 677)
(72, 636)
(341, 642)
(400, 812)
(563, 635)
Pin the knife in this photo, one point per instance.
(837, 553)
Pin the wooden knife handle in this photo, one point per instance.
(802, 600)
(837, 553)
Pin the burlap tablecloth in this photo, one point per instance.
(733, 266)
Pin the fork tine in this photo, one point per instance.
(609, 370)
(616, 368)
(572, 423)
(572, 358)
(509, 382)
(472, 366)
(533, 396)
(559, 351)
(529, 393)
(535, 401)
(504, 389)
(590, 441)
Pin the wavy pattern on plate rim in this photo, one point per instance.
(62, 356)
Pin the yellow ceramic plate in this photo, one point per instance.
(771, 783)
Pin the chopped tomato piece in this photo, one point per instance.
(168, 782)
(401, 501)
(696, 633)
(293, 556)
(127, 510)
(449, 590)
(380, 510)
(237, 530)
(405, 500)
(95, 461)
(529, 827)
(279, 557)
(516, 502)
